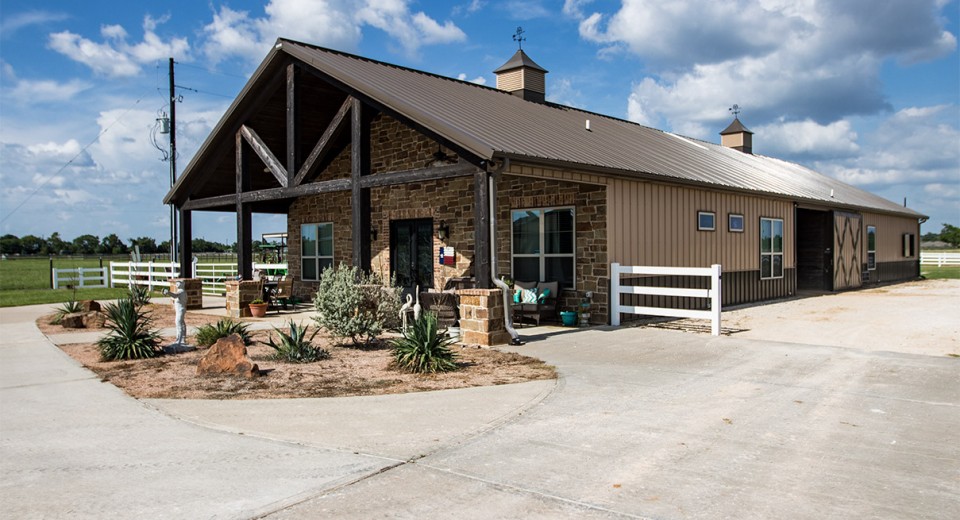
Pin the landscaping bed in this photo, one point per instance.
(347, 372)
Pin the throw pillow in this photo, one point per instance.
(528, 296)
(543, 296)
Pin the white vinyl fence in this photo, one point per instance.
(939, 259)
(713, 293)
(81, 277)
(158, 274)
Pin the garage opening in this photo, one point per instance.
(814, 250)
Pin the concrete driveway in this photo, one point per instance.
(643, 423)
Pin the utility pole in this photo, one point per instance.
(173, 165)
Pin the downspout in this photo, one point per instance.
(504, 288)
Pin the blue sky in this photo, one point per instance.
(866, 91)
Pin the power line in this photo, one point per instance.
(68, 163)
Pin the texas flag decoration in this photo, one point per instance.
(447, 256)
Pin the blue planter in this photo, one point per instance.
(569, 318)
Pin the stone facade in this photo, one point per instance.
(194, 288)
(481, 317)
(239, 296)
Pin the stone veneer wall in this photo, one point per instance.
(481, 317)
(239, 296)
(316, 209)
(590, 203)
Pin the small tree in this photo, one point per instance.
(950, 234)
(355, 305)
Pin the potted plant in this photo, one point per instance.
(568, 318)
(258, 308)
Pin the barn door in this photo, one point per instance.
(847, 238)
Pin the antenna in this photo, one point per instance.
(735, 110)
(518, 37)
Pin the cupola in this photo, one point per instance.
(522, 77)
(737, 136)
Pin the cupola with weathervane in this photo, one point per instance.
(736, 135)
(521, 76)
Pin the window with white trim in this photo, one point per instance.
(871, 248)
(544, 245)
(771, 248)
(735, 223)
(316, 249)
(706, 221)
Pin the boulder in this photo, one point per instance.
(90, 305)
(94, 319)
(228, 356)
(74, 320)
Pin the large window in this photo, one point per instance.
(544, 245)
(871, 247)
(316, 249)
(771, 248)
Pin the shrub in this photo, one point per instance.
(355, 305)
(424, 348)
(296, 347)
(130, 336)
(69, 307)
(140, 295)
(209, 334)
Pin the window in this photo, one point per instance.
(909, 244)
(706, 221)
(735, 223)
(316, 249)
(771, 248)
(544, 245)
(871, 248)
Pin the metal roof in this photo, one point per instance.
(735, 127)
(494, 124)
(520, 59)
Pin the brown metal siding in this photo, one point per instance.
(890, 231)
(656, 224)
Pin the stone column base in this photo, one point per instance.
(239, 295)
(481, 317)
(194, 288)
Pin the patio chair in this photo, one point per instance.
(283, 294)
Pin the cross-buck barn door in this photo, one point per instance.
(847, 238)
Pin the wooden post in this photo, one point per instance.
(244, 233)
(293, 123)
(186, 244)
(360, 197)
(482, 238)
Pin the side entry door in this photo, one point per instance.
(411, 253)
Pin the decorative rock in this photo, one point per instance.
(228, 356)
(73, 320)
(90, 305)
(94, 319)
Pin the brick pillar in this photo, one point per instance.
(481, 317)
(239, 296)
(194, 288)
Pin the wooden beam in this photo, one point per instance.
(430, 173)
(482, 238)
(360, 196)
(293, 122)
(270, 194)
(186, 244)
(244, 233)
(322, 148)
(261, 149)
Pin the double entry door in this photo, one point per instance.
(411, 253)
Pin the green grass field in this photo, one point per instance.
(26, 281)
(946, 272)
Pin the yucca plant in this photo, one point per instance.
(69, 307)
(295, 346)
(209, 334)
(424, 348)
(140, 295)
(130, 335)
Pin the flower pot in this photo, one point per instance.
(258, 310)
(569, 318)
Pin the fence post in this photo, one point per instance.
(615, 294)
(53, 274)
(80, 276)
(150, 275)
(715, 299)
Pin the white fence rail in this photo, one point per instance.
(158, 274)
(939, 259)
(85, 277)
(713, 293)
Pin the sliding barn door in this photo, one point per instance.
(847, 241)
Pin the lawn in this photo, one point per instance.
(15, 298)
(933, 272)
(26, 281)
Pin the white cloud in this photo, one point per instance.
(808, 139)
(479, 80)
(11, 24)
(329, 23)
(46, 91)
(115, 57)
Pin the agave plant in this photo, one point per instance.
(69, 307)
(209, 334)
(140, 295)
(130, 335)
(295, 346)
(424, 348)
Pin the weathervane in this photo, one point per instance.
(735, 109)
(519, 37)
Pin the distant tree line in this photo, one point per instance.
(949, 234)
(94, 245)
